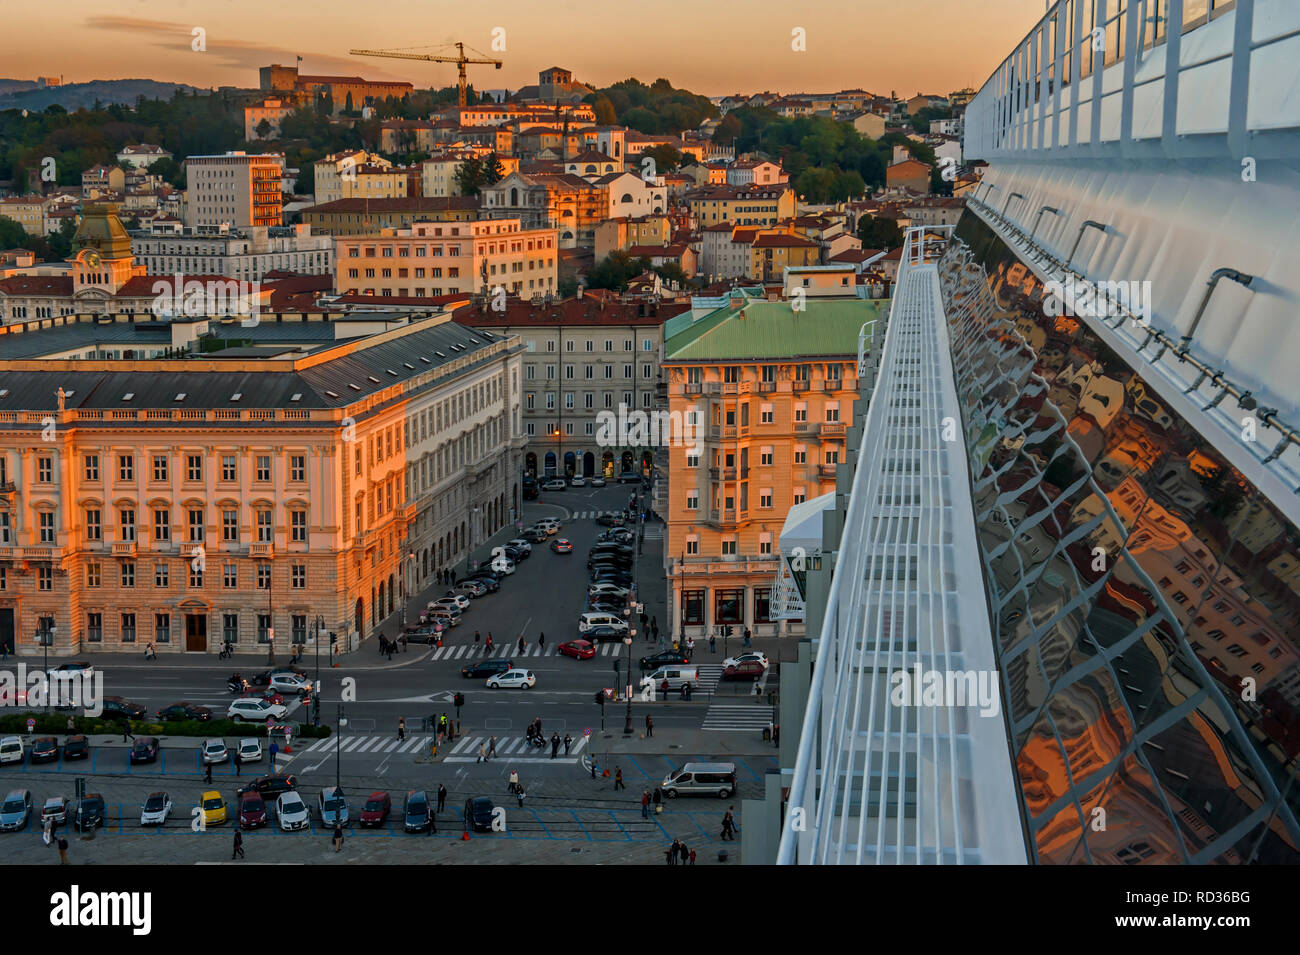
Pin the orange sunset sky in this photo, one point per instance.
(712, 47)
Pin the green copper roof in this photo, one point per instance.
(771, 330)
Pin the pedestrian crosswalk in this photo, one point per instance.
(511, 650)
(584, 515)
(514, 748)
(461, 750)
(654, 531)
(724, 717)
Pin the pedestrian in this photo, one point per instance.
(692, 857)
(63, 850)
(593, 767)
(72, 725)
(492, 747)
(555, 744)
(401, 728)
(239, 845)
(683, 853)
(442, 797)
(568, 741)
(48, 835)
(482, 752)
(541, 640)
(664, 689)
(148, 652)
(672, 852)
(476, 638)
(489, 642)
(618, 778)
(690, 648)
(126, 730)
(747, 643)
(645, 804)
(207, 772)
(713, 644)
(519, 794)
(728, 825)
(654, 624)
(338, 836)
(402, 638)
(649, 726)
(776, 734)
(237, 758)
(657, 798)
(273, 751)
(514, 781)
(521, 644)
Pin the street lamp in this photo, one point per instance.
(627, 724)
(320, 627)
(338, 750)
(46, 637)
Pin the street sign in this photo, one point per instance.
(587, 731)
(31, 726)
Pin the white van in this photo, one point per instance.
(677, 676)
(701, 779)
(11, 750)
(590, 619)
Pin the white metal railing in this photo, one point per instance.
(1155, 78)
(875, 782)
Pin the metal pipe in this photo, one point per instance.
(1239, 277)
(1014, 195)
(1079, 238)
(1039, 218)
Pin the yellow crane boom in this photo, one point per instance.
(460, 60)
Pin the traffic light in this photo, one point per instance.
(458, 700)
(600, 697)
(333, 637)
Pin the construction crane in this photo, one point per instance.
(460, 59)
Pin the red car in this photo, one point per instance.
(562, 545)
(747, 670)
(265, 693)
(252, 811)
(578, 649)
(376, 810)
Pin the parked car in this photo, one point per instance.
(332, 807)
(214, 751)
(417, 815)
(578, 649)
(254, 711)
(185, 711)
(662, 658)
(603, 575)
(89, 813)
(617, 535)
(472, 588)
(375, 811)
(427, 634)
(264, 693)
(555, 484)
(561, 545)
(629, 477)
(610, 605)
(292, 683)
(512, 679)
(534, 536)
(76, 747)
(588, 620)
(271, 785)
(611, 520)
(460, 600)
(522, 544)
(612, 589)
(488, 667)
(264, 678)
(117, 708)
(748, 655)
(444, 603)
(447, 616)
(252, 811)
(578, 481)
(292, 812)
(617, 548)
(55, 811)
(491, 581)
(44, 750)
(213, 808)
(250, 750)
(479, 813)
(598, 481)
(548, 524)
(517, 553)
(16, 810)
(144, 750)
(504, 565)
(157, 807)
(748, 670)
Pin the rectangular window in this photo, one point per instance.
(45, 577)
(229, 469)
(230, 526)
(263, 628)
(128, 628)
(264, 527)
(195, 518)
(729, 547)
(298, 525)
(230, 627)
(92, 574)
(162, 627)
(196, 576)
(762, 604)
(127, 574)
(126, 521)
(298, 467)
(95, 627)
(159, 467)
(92, 467)
(263, 467)
(194, 467)
(263, 576)
(162, 525)
(47, 527)
(125, 467)
(161, 575)
(45, 469)
(728, 606)
(693, 606)
(229, 576)
(298, 576)
(299, 628)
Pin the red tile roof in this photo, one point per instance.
(399, 204)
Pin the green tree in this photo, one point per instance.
(727, 130)
(492, 170)
(666, 157)
(469, 176)
(604, 109)
(879, 233)
(263, 129)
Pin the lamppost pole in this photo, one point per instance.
(338, 751)
(627, 723)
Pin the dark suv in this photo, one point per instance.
(488, 667)
(273, 786)
(144, 750)
(118, 708)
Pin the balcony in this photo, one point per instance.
(832, 429)
(7, 488)
(722, 474)
(737, 387)
(693, 388)
(262, 549)
(124, 549)
(833, 385)
(36, 553)
(805, 427)
(826, 471)
(800, 384)
(766, 387)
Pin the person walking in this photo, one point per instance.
(663, 687)
(72, 725)
(236, 759)
(654, 624)
(482, 752)
(690, 648)
(692, 857)
(63, 851)
(338, 836)
(149, 653)
(239, 845)
(555, 744)
(521, 644)
(713, 644)
(568, 741)
(657, 798)
(649, 726)
(541, 641)
(672, 852)
(476, 638)
(514, 781)
(728, 825)
(442, 797)
(207, 772)
(683, 853)
(401, 728)
(492, 747)
(645, 804)
(618, 778)
(519, 794)
(488, 645)
(126, 731)
(747, 643)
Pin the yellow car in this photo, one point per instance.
(214, 808)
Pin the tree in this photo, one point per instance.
(879, 233)
(469, 176)
(665, 157)
(727, 130)
(492, 170)
(263, 129)
(604, 109)
(616, 270)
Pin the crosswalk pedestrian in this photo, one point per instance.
(465, 749)
(590, 515)
(722, 717)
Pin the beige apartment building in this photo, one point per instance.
(197, 499)
(235, 188)
(444, 258)
(772, 392)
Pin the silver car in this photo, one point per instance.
(214, 751)
(16, 810)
